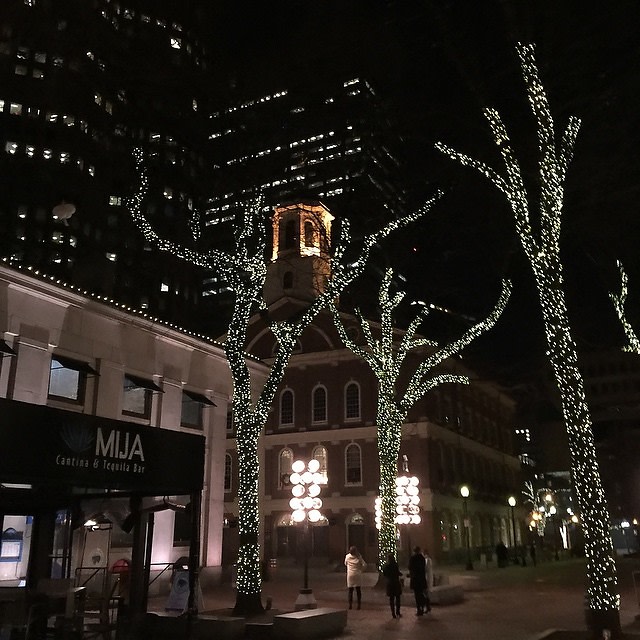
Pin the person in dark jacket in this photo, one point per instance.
(392, 574)
(418, 579)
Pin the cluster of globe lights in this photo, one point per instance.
(306, 481)
(407, 501)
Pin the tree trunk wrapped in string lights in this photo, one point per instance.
(619, 302)
(244, 270)
(385, 356)
(542, 249)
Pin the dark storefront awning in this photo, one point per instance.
(40, 445)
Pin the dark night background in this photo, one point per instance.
(437, 64)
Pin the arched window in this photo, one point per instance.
(319, 401)
(287, 280)
(352, 401)
(286, 407)
(289, 235)
(285, 460)
(308, 234)
(320, 454)
(228, 468)
(353, 464)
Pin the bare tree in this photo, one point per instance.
(620, 302)
(542, 248)
(244, 269)
(385, 355)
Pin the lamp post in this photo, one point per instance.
(305, 505)
(512, 504)
(552, 512)
(464, 492)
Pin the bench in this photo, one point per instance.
(163, 626)
(219, 627)
(445, 594)
(310, 623)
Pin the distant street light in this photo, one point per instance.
(305, 503)
(464, 492)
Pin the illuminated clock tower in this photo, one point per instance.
(300, 265)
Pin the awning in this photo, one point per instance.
(75, 365)
(6, 350)
(142, 383)
(198, 397)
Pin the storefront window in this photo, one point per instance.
(14, 550)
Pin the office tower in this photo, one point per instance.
(83, 83)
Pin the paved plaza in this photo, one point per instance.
(514, 603)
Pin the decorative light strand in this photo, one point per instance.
(619, 302)
(245, 271)
(543, 253)
(385, 357)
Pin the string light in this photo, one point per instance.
(543, 252)
(245, 271)
(619, 302)
(386, 357)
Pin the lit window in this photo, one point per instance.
(21, 70)
(23, 53)
(68, 120)
(228, 469)
(73, 241)
(113, 257)
(37, 73)
(22, 212)
(64, 157)
(46, 154)
(353, 464)
(168, 193)
(11, 147)
(164, 288)
(15, 109)
(97, 98)
(285, 460)
(92, 170)
(52, 117)
(58, 62)
(1, 106)
(67, 379)
(286, 407)
(30, 150)
(108, 107)
(90, 55)
(57, 237)
(40, 57)
(320, 454)
(352, 401)
(115, 201)
(176, 43)
(319, 404)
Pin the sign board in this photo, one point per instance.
(40, 444)
(179, 596)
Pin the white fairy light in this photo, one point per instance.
(543, 252)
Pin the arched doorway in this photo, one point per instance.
(356, 531)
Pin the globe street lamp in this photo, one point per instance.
(464, 492)
(512, 504)
(552, 512)
(305, 505)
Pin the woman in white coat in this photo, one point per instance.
(355, 566)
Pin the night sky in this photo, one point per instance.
(437, 64)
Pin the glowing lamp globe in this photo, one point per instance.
(297, 466)
(313, 465)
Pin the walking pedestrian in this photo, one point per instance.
(391, 571)
(418, 579)
(428, 574)
(355, 566)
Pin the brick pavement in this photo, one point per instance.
(516, 603)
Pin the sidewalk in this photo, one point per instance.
(515, 603)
